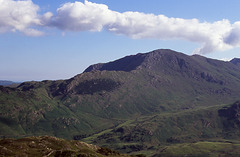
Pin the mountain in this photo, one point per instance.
(135, 103)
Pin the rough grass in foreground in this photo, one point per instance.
(52, 146)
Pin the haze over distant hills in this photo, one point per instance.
(6, 83)
(136, 103)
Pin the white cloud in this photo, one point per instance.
(83, 17)
(233, 38)
(22, 16)
(19, 16)
(140, 25)
(88, 16)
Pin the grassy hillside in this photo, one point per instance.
(35, 112)
(148, 133)
(200, 149)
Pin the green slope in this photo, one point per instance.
(149, 133)
(35, 112)
(200, 149)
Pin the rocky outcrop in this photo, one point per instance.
(232, 112)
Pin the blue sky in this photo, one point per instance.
(50, 39)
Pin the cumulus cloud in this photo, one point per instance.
(19, 16)
(233, 38)
(140, 25)
(22, 16)
(83, 17)
(88, 16)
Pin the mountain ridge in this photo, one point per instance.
(131, 62)
(158, 60)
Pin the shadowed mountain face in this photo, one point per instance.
(116, 93)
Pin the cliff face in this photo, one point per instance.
(232, 112)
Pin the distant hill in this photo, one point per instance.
(6, 83)
(9, 83)
(132, 104)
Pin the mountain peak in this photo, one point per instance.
(134, 62)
